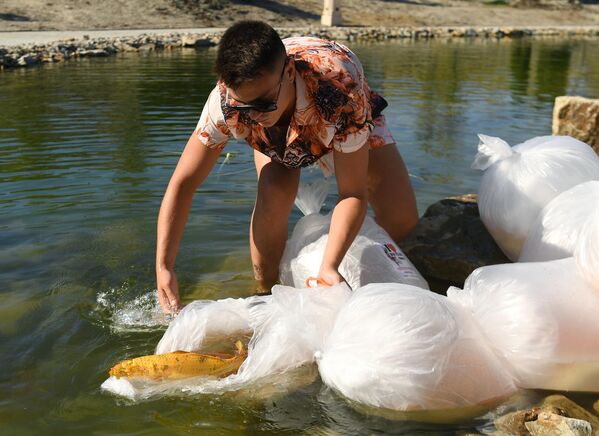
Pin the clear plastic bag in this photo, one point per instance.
(400, 347)
(540, 318)
(586, 252)
(519, 181)
(289, 328)
(558, 228)
(203, 322)
(373, 256)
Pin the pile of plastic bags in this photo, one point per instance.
(390, 343)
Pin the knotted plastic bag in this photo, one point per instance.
(400, 347)
(559, 227)
(373, 256)
(519, 181)
(540, 318)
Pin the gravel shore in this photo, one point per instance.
(34, 48)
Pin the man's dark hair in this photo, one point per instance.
(247, 50)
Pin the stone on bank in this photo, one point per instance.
(577, 117)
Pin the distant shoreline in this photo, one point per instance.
(25, 49)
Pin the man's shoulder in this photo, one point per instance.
(311, 45)
(321, 57)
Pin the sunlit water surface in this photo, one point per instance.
(86, 151)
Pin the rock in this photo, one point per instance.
(28, 60)
(450, 241)
(577, 117)
(123, 46)
(147, 47)
(94, 53)
(8, 61)
(572, 409)
(547, 4)
(188, 40)
(551, 424)
(514, 423)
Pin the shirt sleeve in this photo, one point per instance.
(350, 142)
(212, 130)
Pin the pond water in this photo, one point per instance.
(86, 151)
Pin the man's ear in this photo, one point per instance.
(290, 70)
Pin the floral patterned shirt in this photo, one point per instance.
(335, 109)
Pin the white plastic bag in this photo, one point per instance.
(519, 181)
(203, 322)
(586, 252)
(541, 318)
(558, 228)
(373, 256)
(289, 328)
(400, 347)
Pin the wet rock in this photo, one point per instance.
(551, 424)
(94, 53)
(557, 415)
(147, 47)
(577, 117)
(124, 47)
(572, 410)
(450, 241)
(514, 423)
(28, 60)
(195, 41)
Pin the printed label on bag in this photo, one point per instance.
(402, 263)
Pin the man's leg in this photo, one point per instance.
(277, 187)
(390, 192)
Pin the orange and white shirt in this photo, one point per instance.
(335, 109)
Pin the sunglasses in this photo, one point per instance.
(258, 106)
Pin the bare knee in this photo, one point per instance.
(402, 226)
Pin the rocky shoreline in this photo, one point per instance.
(27, 55)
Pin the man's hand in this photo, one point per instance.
(330, 276)
(168, 291)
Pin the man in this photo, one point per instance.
(297, 102)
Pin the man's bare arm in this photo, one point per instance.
(194, 165)
(351, 170)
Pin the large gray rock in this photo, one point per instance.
(577, 117)
(450, 241)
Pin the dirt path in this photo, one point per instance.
(19, 15)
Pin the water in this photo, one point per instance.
(86, 151)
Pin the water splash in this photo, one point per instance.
(127, 313)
